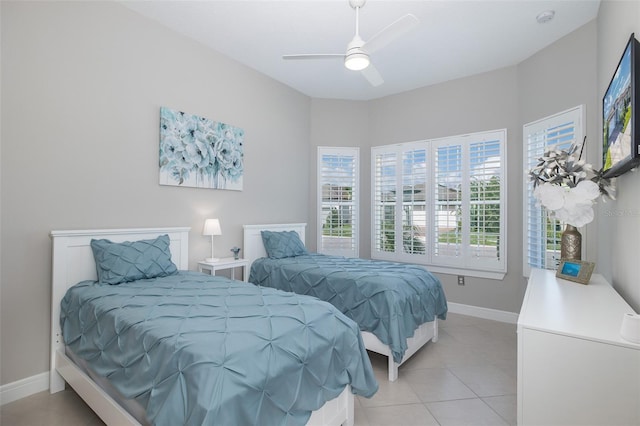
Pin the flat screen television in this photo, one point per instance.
(621, 115)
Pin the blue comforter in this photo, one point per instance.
(387, 299)
(196, 349)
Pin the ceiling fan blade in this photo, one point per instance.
(372, 75)
(391, 32)
(314, 56)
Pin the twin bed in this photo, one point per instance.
(144, 341)
(151, 343)
(397, 306)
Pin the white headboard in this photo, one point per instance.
(253, 247)
(73, 262)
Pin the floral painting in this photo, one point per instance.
(198, 152)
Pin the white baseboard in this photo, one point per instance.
(23, 388)
(485, 313)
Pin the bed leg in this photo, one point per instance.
(56, 382)
(435, 330)
(351, 411)
(393, 369)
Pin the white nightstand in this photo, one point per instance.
(226, 263)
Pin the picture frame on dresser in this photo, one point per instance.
(575, 270)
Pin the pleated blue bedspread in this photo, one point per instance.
(387, 299)
(201, 350)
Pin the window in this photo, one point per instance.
(541, 233)
(442, 203)
(338, 199)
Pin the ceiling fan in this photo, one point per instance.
(357, 57)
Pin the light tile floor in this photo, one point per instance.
(468, 377)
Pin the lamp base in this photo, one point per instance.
(211, 259)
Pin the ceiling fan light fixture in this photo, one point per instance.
(358, 51)
(357, 61)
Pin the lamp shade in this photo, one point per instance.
(212, 227)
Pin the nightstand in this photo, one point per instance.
(226, 263)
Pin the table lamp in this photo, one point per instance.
(211, 227)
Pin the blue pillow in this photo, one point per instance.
(282, 244)
(132, 260)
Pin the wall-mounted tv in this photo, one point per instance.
(621, 115)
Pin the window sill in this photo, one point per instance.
(467, 272)
(450, 270)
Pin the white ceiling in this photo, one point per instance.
(454, 38)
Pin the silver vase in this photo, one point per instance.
(571, 243)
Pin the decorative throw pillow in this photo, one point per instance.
(132, 260)
(282, 244)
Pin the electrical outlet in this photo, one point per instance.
(460, 279)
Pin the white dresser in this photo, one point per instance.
(573, 366)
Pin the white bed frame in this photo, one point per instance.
(73, 262)
(254, 249)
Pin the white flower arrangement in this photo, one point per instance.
(568, 186)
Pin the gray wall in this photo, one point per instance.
(487, 101)
(559, 77)
(82, 84)
(80, 106)
(619, 221)
(344, 124)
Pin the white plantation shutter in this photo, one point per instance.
(451, 212)
(384, 204)
(448, 189)
(414, 207)
(486, 209)
(541, 233)
(338, 200)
